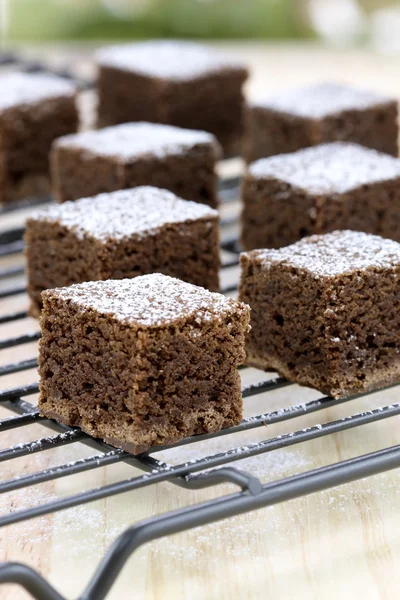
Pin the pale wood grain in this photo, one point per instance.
(343, 543)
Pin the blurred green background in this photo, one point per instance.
(102, 19)
(348, 21)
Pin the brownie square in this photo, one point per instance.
(135, 154)
(141, 362)
(118, 235)
(318, 114)
(179, 83)
(317, 190)
(34, 110)
(325, 312)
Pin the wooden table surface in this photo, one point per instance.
(342, 543)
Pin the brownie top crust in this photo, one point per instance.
(336, 253)
(135, 212)
(22, 88)
(135, 140)
(168, 59)
(149, 300)
(329, 168)
(322, 99)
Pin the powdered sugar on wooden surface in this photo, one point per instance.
(134, 140)
(149, 300)
(335, 253)
(322, 99)
(135, 212)
(176, 60)
(23, 88)
(329, 168)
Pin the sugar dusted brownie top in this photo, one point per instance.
(149, 300)
(167, 59)
(334, 253)
(133, 140)
(321, 100)
(23, 88)
(138, 211)
(329, 168)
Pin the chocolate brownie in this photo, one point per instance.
(179, 83)
(134, 154)
(34, 110)
(118, 235)
(325, 312)
(317, 190)
(318, 114)
(141, 362)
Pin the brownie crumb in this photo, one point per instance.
(133, 154)
(319, 113)
(178, 83)
(34, 110)
(325, 311)
(141, 362)
(118, 235)
(317, 190)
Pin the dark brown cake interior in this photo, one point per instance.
(125, 234)
(45, 111)
(336, 332)
(319, 190)
(178, 83)
(138, 385)
(135, 154)
(320, 113)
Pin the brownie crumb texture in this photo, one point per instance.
(141, 362)
(325, 311)
(134, 154)
(118, 235)
(318, 190)
(179, 83)
(325, 112)
(34, 110)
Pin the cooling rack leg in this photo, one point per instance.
(222, 508)
(34, 583)
(225, 475)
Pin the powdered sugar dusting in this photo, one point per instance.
(24, 88)
(322, 99)
(136, 212)
(335, 253)
(149, 300)
(167, 59)
(133, 140)
(329, 168)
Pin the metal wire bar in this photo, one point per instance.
(12, 291)
(21, 339)
(13, 317)
(11, 248)
(73, 468)
(21, 420)
(23, 365)
(61, 439)
(230, 263)
(209, 462)
(264, 386)
(11, 272)
(26, 390)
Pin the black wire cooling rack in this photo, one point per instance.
(206, 471)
